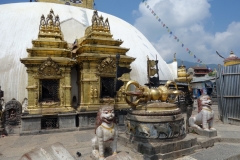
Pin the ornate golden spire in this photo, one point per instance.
(98, 23)
(50, 26)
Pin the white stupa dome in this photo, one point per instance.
(19, 25)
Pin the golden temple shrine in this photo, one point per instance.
(73, 65)
(77, 3)
(49, 67)
(51, 60)
(232, 59)
(96, 54)
(182, 74)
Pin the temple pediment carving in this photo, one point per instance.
(108, 65)
(49, 68)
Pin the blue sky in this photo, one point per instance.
(203, 26)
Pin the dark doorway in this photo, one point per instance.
(49, 90)
(107, 87)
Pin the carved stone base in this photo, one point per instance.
(86, 120)
(67, 120)
(160, 122)
(201, 132)
(2, 131)
(10, 130)
(34, 124)
(31, 123)
(161, 150)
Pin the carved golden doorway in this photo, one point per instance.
(49, 90)
(107, 87)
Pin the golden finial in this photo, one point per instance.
(50, 24)
(51, 11)
(98, 23)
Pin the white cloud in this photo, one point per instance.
(185, 18)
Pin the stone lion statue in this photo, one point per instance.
(106, 132)
(205, 114)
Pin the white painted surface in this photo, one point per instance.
(19, 25)
(173, 68)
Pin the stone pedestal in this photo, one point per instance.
(31, 123)
(12, 117)
(67, 120)
(161, 150)
(13, 130)
(86, 120)
(157, 130)
(201, 132)
(34, 124)
(156, 122)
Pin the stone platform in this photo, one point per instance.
(201, 132)
(34, 124)
(161, 150)
(222, 147)
(156, 121)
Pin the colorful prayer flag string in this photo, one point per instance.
(170, 32)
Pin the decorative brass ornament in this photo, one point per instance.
(108, 65)
(98, 23)
(145, 94)
(49, 68)
(150, 118)
(50, 25)
(183, 76)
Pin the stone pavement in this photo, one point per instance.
(225, 146)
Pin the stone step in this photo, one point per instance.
(156, 150)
